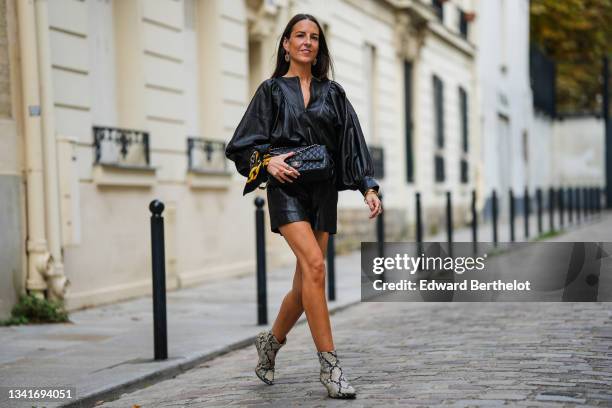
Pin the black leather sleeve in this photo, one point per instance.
(249, 145)
(356, 168)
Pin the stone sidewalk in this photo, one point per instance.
(426, 354)
(421, 355)
(108, 350)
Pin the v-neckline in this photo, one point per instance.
(304, 105)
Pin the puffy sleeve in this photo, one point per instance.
(355, 162)
(248, 147)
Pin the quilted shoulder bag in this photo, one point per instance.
(313, 162)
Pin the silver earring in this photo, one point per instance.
(315, 62)
(287, 56)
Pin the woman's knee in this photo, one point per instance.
(313, 271)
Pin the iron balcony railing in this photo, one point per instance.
(206, 156)
(122, 147)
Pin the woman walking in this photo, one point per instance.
(300, 106)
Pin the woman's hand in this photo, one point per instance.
(280, 170)
(372, 200)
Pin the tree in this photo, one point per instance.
(576, 34)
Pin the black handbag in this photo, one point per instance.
(313, 162)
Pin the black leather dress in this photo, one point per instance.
(277, 117)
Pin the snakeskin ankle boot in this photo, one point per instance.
(332, 376)
(267, 346)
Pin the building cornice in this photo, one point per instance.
(424, 18)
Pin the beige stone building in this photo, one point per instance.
(108, 104)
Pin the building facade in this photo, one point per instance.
(110, 104)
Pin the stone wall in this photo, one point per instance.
(5, 90)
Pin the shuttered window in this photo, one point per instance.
(438, 106)
(463, 111)
(408, 123)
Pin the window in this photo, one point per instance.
(463, 24)
(408, 123)
(439, 168)
(438, 106)
(463, 110)
(438, 6)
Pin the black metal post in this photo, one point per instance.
(511, 199)
(331, 267)
(570, 206)
(474, 223)
(551, 207)
(599, 200)
(158, 262)
(561, 206)
(380, 231)
(585, 201)
(607, 128)
(380, 235)
(539, 209)
(494, 211)
(526, 211)
(449, 222)
(419, 224)
(260, 242)
(578, 204)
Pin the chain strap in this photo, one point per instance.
(297, 149)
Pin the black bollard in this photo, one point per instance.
(419, 224)
(551, 207)
(474, 223)
(380, 234)
(539, 209)
(526, 211)
(380, 231)
(561, 207)
(578, 204)
(160, 329)
(598, 198)
(511, 201)
(260, 242)
(449, 222)
(570, 206)
(494, 215)
(585, 203)
(331, 268)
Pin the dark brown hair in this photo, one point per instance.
(324, 62)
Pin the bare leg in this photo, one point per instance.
(310, 259)
(291, 308)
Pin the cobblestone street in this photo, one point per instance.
(421, 355)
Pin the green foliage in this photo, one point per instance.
(547, 235)
(577, 34)
(31, 309)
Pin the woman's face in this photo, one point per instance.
(303, 45)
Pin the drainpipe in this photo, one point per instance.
(56, 280)
(40, 261)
